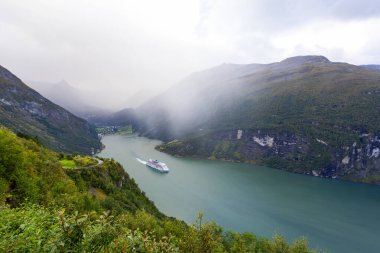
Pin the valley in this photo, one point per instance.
(275, 115)
(194, 126)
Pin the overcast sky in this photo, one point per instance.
(124, 46)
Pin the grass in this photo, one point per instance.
(77, 162)
(125, 130)
(68, 164)
(84, 161)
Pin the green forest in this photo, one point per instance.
(45, 207)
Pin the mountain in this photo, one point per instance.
(371, 66)
(120, 118)
(89, 104)
(304, 114)
(25, 111)
(68, 97)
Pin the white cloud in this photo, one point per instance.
(122, 46)
(340, 40)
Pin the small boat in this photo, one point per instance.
(157, 165)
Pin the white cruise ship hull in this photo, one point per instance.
(159, 166)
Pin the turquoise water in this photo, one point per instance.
(335, 216)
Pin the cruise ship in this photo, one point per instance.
(157, 165)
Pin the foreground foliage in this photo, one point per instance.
(45, 208)
(36, 229)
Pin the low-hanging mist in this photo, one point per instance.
(115, 49)
(304, 114)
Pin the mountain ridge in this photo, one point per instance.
(68, 97)
(304, 114)
(26, 111)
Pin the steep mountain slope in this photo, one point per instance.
(120, 118)
(304, 114)
(24, 110)
(68, 97)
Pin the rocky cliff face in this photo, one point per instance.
(25, 111)
(359, 161)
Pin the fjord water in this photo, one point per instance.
(335, 216)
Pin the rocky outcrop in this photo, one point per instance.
(358, 161)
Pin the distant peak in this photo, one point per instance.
(306, 59)
(63, 83)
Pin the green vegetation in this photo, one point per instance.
(125, 130)
(30, 171)
(68, 164)
(78, 161)
(84, 161)
(106, 130)
(46, 208)
(30, 228)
